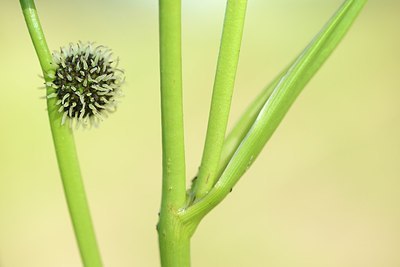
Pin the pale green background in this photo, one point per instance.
(325, 192)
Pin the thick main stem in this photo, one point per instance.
(65, 149)
(173, 237)
(174, 241)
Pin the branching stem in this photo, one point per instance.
(290, 84)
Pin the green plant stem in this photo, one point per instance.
(244, 124)
(65, 149)
(277, 105)
(173, 236)
(222, 94)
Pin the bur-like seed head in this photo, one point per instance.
(86, 83)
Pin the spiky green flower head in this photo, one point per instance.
(86, 83)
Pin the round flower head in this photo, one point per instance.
(86, 83)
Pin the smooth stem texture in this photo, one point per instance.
(244, 124)
(222, 94)
(173, 237)
(65, 149)
(277, 105)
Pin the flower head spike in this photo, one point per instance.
(86, 83)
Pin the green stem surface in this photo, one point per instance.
(244, 124)
(174, 238)
(276, 106)
(222, 94)
(65, 149)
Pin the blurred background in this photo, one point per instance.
(324, 192)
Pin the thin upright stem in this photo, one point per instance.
(173, 236)
(65, 149)
(222, 94)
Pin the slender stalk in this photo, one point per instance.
(65, 149)
(173, 236)
(222, 94)
(277, 105)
